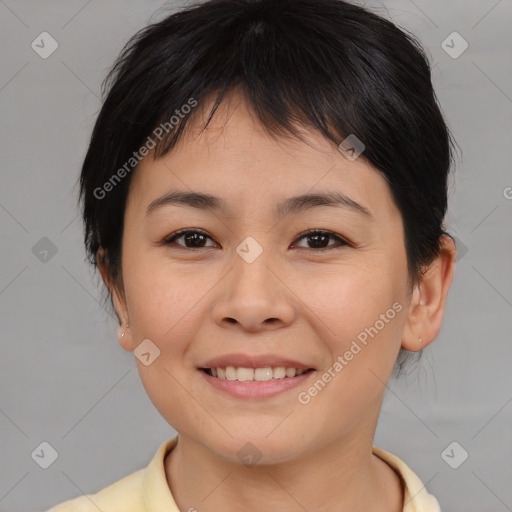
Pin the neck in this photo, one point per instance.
(341, 476)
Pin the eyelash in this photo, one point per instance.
(312, 232)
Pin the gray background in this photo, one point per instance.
(64, 378)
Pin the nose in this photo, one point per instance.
(254, 296)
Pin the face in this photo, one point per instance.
(248, 280)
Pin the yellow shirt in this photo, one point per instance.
(146, 490)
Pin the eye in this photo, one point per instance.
(318, 238)
(194, 237)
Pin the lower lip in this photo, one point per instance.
(253, 388)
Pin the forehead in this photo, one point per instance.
(236, 158)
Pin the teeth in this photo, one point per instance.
(279, 372)
(244, 374)
(263, 374)
(258, 374)
(231, 373)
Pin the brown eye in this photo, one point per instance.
(319, 239)
(196, 239)
(192, 238)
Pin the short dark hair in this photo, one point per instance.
(325, 64)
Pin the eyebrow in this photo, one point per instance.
(291, 205)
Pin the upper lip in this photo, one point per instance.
(253, 361)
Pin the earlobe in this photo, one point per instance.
(426, 309)
(124, 337)
(414, 338)
(124, 334)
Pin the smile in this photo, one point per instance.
(254, 383)
(254, 374)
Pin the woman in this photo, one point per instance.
(264, 195)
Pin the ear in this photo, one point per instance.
(426, 309)
(118, 297)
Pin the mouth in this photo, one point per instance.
(262, 374)
(254, 376)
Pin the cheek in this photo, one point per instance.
(161, 299)
(360, 320)
(163, 307)
(347, 298)
(359, 315)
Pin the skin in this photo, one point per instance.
(197, 303)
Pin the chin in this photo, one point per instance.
(258, 447)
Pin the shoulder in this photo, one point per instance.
(416, 496)
(142, 490)
(125, 495)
